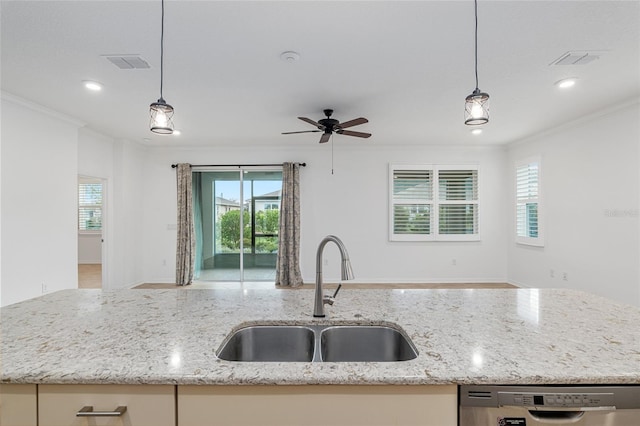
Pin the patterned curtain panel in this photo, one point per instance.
(186, 247)
(288, 261)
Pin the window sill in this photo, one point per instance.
(531, 242)
(432, 238)
(89, 233)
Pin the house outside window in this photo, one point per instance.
(433, 203)
(528, 202)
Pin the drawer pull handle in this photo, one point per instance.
(87, 411)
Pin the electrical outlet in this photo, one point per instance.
(454, 262)
(326, 262)
(44, 288)
(565, 276)
(164, 262)
(552, 273)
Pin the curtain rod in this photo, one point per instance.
(173, 166)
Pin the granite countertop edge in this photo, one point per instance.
(154, 337)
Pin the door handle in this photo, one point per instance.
(87, 411)
(567, 417)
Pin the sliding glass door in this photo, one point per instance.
(237, 217)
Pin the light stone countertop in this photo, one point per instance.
(493, 336)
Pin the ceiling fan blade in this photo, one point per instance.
(352, 133)
(303, 131)
(353, 122)
(310, 121)
(325, 137)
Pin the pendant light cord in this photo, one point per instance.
(162, 51)
(476, 41)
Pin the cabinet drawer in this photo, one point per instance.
(146, 405)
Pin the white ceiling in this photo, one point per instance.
(406, 66)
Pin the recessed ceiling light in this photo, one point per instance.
(566, 83)
(476, 131)
(94, 86)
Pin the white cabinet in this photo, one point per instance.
(317, 405)
(151, 405)
(146, 405)
(18, 405)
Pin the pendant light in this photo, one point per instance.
(161, 112)
(476, 108)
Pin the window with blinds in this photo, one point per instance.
(412, 202)
(458, 195)
(89, 206)
(433, 203)
(528, 229)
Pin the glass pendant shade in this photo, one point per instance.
(476, 109)
(161, 113)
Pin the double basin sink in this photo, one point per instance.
(317, 343)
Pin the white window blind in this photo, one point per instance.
(89, 206)
(528, 229)
(412, 202)
(458, 194)
(433, 203)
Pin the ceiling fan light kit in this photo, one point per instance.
(330, 125)
(476, 108)
(161, 112)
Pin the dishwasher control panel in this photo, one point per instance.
(555, 399)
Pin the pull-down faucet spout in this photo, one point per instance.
(345, 271)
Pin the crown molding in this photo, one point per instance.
(611, 109)
(17, 100)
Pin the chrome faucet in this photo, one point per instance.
(345, 269)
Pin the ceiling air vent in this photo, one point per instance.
(577, 57)
(127, 62)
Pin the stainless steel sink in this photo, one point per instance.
(317, 343)
(270, 343)
(365, 343)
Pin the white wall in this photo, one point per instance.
(95, 154)
(39, 181)
(128, 247)
(90, 249)
(591, 187)
(120, 163)
(1, 104)
(352, 204)
(43, 152)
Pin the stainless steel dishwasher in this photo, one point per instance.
(549, 405)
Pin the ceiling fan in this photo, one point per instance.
(329, 125)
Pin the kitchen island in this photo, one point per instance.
(170, 337)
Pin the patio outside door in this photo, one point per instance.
(237, 219)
